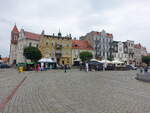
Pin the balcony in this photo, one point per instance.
(58, 54)
(58, 46)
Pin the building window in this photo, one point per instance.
(46, 43)
(37, 45)
(68, 61)
(103, 53)
(30, 44)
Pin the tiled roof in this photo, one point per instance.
(81, 44)
(99, 33)
(109, 35)
(15, 29)
(32, 36)
(138, 46)
(5, 59)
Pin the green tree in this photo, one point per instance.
(32, 53)
(86, 56)
(0, 57)
(111, 58)
(146, 59)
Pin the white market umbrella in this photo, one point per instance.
(48, 60)
(42, 60)
(94, 60)
(105, 61)
(117, 62)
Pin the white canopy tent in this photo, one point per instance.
(105, 61)
(117, 62)
(94, 60)
(46, 60)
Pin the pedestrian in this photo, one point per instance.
(65, 68)
(38, 67)
(42, 66)
(80, 66)
(145, 69)
(90, 67)
(87, 67)
(97, 67)
(104, 66)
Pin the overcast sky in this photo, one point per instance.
(125, 19)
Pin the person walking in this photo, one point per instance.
(38, 67)
(104, 66)
(87, 67)
(65, 68)
(80, 66)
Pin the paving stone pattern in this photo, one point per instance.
(75, 92)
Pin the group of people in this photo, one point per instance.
(88, 67)
(144, 69)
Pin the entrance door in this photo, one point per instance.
(63, 62)
(58, 60)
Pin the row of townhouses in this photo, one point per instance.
(66, 50)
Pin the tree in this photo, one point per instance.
(0, 57)
(111, 58)
(146, 59)
(86, 56)
(32, 53)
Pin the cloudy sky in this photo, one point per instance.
(125, 19)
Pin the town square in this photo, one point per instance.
(74, 56)
(75, 92)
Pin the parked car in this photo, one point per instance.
(59, 66)
(131, 67)
(4, 66)
(110, 67)
(95, 65)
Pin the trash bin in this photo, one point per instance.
(21, 69)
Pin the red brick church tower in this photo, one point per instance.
(13, 45)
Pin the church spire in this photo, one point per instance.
(15, 29)
(59, 33)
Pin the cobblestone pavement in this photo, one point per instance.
(75, 92)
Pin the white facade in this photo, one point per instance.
(138, 56)
(139, 51)
(131, 56)
(76, 54)
(120, 53)
(101, 42)
(23, 42)
(20, 40)
(13, 53)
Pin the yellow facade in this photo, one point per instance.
(57, 47)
